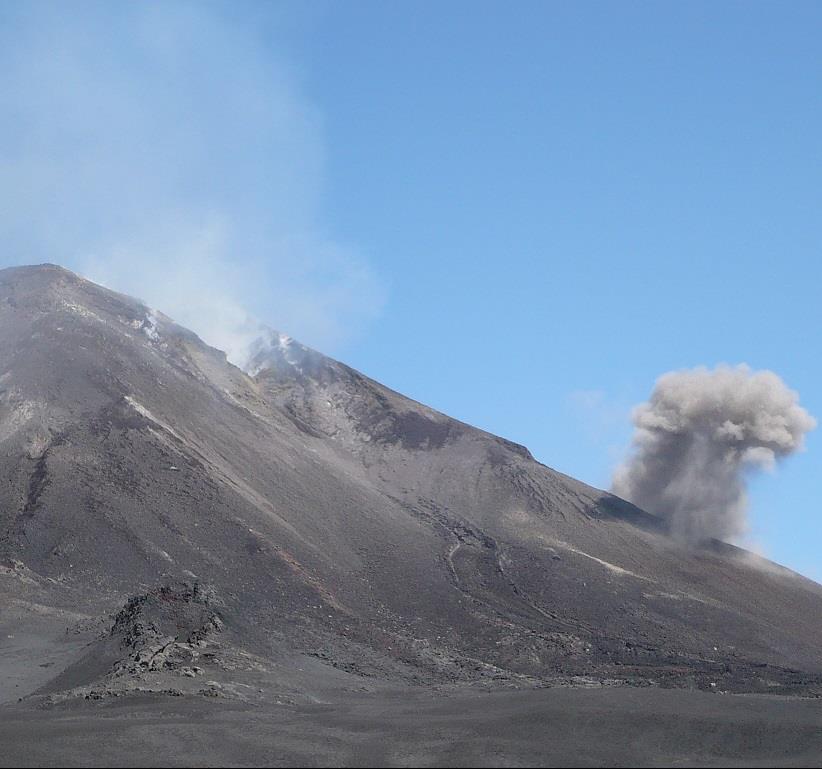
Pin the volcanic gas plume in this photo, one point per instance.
(699, 437)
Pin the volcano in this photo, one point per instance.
(307, 566)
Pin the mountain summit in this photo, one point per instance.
(169, 522)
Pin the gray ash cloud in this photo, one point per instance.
(697, 440)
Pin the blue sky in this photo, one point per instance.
(518, 214)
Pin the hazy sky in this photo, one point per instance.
(519, 214)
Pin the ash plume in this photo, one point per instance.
(697, 440)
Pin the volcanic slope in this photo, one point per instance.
(170, 523)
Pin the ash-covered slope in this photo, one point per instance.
(348, 533)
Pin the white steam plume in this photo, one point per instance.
(166, 149)
(698, 437)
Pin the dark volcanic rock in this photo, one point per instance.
(157, 626)
(352, 534)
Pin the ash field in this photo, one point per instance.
(294, 565)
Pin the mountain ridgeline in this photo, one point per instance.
(173, 519)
